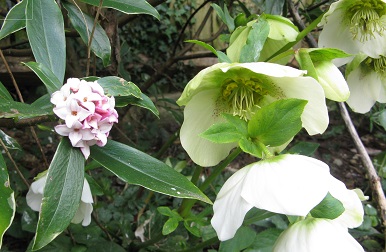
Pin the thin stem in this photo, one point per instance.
(91, 37)
(375, 181)
(187, 204)
(13, 162)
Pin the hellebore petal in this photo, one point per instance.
(230, 208)
(352, 217)
(199, 115)
(365, 88)
(286, 184)
(332, 81)
(316, 235)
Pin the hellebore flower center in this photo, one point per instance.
(366, 19)
(243, 96)
(378, 65)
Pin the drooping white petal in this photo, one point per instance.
(316, 235)
(352, 217)
(229, 207)
(85, 209)
(315, 115)
(332, 81)
(199, 114)
(34, 195)
(365, 87)
(286, 184)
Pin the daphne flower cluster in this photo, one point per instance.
(88, 113)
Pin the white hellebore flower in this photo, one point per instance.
(316, 235)
(241, 89)
(285, 184)
(355, 26)
(366, 78)
(35, 197)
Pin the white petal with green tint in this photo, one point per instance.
(199, 114)
(286, 184)
(230, 208)
(332, 81)
(352, 217)
(365, 88)
(315, 116)
(316, 235)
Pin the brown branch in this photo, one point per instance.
(18, 52)
(375, 181)
(11, 123)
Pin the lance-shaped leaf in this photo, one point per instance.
(127, 6)
(278, 122)
(255, 41)
(136, 167)
(7, 200)
(116, 86)
(46, 76)
(18, 110)
(4, 94)
(45, 30)
(62, 193)
(143, 102)
(15, 20)
(84, 24)
(9, 142)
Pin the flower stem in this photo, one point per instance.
(187, 204)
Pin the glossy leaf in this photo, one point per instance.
(9, 142)
(255, 41)
(84, 24)
(116, 86)
(4, 94)
(329, 208)
(62, 193)
(127, 6)
(278, 122)
(7, 200)
(243, 238)
(45, 30)
(18, 110)
(136, 167)
(46, 76)
(15, 20)
(143, 102)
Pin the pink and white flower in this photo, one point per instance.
(87, 112)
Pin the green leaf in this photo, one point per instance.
(221, 56)
(170, 225)
(62, 193)
(221, 133)
(225, 16)
(265, 240)
(116, 86)
(136, 167)
(255, 41)
(304, 148)
(326, 54)
(18, 110)
(248, 146)
(304, 59)
(143, 102)
(274, 7)
(329, 208)
(46, 76)
(243, 238)
(194, 230)
(45, 30)
(276, 123)
(15, 20)
(240, 124)
(84, 24)
(127, 6)
(4, 94)
(7, 200)
(9, 142)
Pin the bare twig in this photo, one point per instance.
(21, 123)
(375, 181)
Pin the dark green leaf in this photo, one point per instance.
(7, 200)
(84, 24)
(265, 240)
(4, 94)
(276, 123)
(15, 20)
(256, 214)
(136, 167)
(304, 148)
(127, 6)
(222, 133)
(10, 142)
(43, 103)
(194, 230)
(255, 41)
(116, 86)
(62, 193)
(143, 102)
(45, 30)
(329, 208)
(18, 110)
(274, 7)
(243, 238)
(46, 76)
(170, 225)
